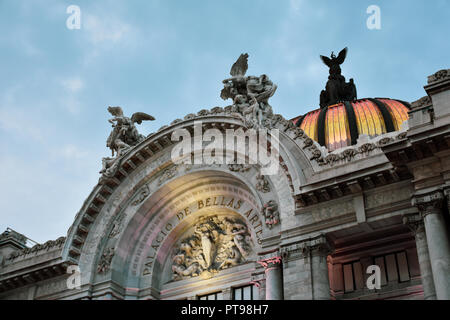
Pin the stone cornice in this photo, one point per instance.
(317, 246)
(421, 103)
(440, 75)
(438, 81)
(37, 249)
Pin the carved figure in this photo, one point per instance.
(244, 89)
(216, 243)
(124, 133)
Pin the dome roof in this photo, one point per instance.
(340, 125)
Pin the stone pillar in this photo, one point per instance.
(415, 223)
(260, 285)
(320, 249)
(274, 277)
(430, 207)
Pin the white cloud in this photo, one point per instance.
(295, 4)
(106, 30)
(72, 152)
(73, 84)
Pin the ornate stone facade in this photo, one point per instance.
(155, 229)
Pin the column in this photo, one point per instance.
(430, 207)
(274, 277)
(415, 224)
(320, 250)
(260, 285)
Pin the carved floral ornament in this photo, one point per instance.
(217, 243)
(440, 75)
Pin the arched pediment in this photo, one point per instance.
(129, 200)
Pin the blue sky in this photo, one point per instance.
(168, 58)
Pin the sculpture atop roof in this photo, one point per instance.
(250, 94)
(124, 134)
(336, 89)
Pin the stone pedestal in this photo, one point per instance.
(430, 207)
(274, 277)
(415, 223)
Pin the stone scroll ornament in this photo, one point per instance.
(217, 243)
(122, 138)
(250, 94)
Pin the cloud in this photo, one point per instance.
(295, 5)
(105, 30)
(73, 84)
(16, 120)
(72, 152)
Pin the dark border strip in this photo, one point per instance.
(406, 104)
(321, 126)
(300, 120)
(354, 134)
(385, 113)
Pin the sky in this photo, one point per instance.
(168, 58)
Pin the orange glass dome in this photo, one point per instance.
(340, 125)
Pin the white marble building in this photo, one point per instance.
(360, 183)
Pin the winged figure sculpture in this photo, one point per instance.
(124, 133)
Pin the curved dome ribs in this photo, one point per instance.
(340, 125)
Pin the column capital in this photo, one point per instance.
(428, 203)
(414, 221)
(447, 192)
(270, 262)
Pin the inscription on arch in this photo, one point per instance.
(236, 204)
